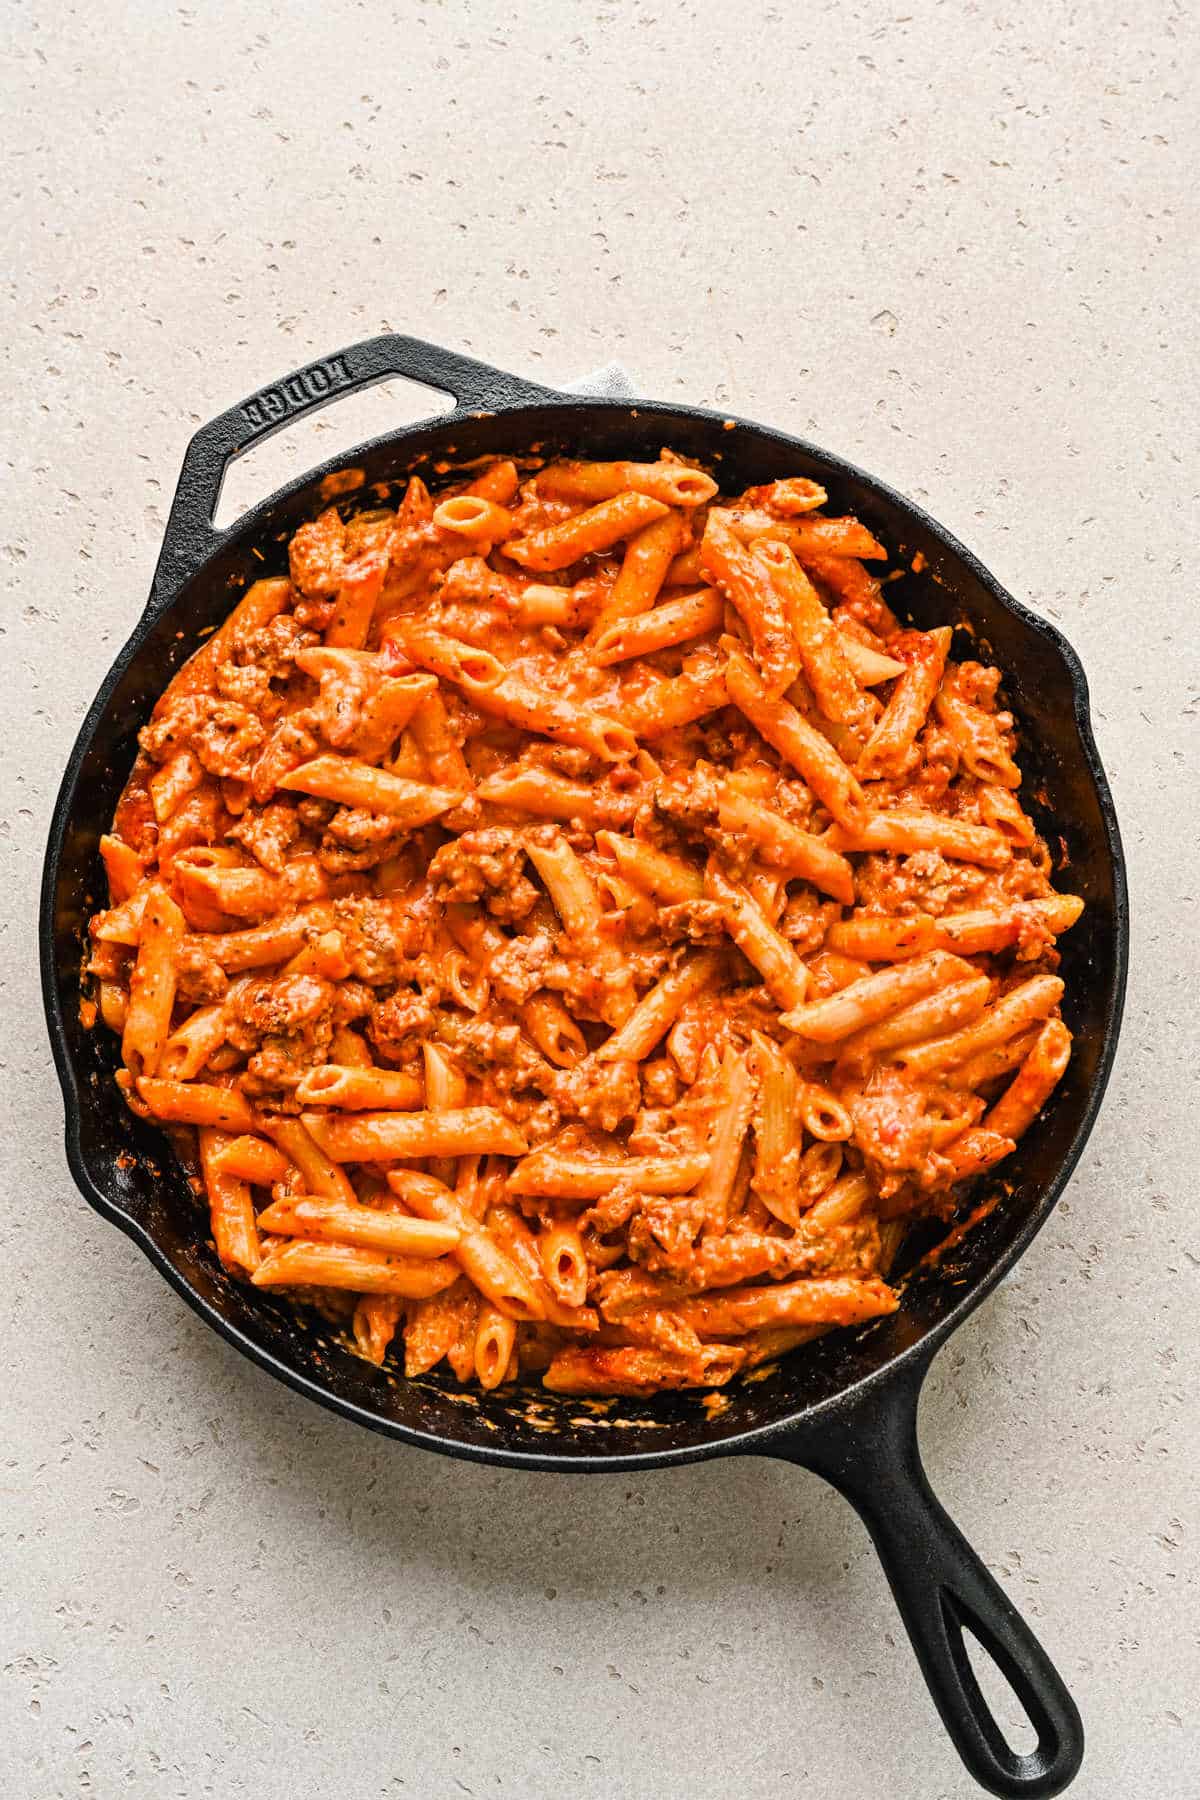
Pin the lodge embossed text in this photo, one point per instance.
(297, 392)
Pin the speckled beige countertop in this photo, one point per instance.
(950, 241)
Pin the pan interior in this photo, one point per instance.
(134, 1170)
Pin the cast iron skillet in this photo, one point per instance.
(846, 1406)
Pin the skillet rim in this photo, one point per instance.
(908, 1365)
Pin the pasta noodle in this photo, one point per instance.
(575, 926)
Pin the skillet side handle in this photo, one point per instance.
(941, 1587)
(190, 534)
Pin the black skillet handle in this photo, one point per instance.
(941, 1586)
(191, 536)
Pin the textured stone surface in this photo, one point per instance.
(949, 241)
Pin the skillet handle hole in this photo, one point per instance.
(997, 1693)
(316, 437)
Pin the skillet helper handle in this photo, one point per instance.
(941, 1587)
(191, 535)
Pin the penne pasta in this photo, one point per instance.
(810, 754)
(376, 1318)
(674, 483)
(302, 1264)
(1033, 1084)
(123, 868)
(437, 747)
(822, 1114)
(657, 1010)
(349, 1050)
(235, 951)
(546, 795)
(361, 1089)
(978, 740)
(318, 1172)
(807, 538)
(356, 599)
(749, 587)
(559, 1175)
(587, 921)
(907, 830)
(833, 1300)
(540, 604)
(121, 924)
(553, 1030)
(570, 888)
(252, 1159)
(495, 1343)
(350, 783)
(677, 701)
(839, 1203)
(216, 890)
(647, 558)
(990, 1064)
(932, 1016)
(730, 1126)
(335, 1221)
(564, 1263)
(778, 1129)
(785, 846)
(445, 1091)
(685, 571)
(152, 982)
(792, 495)
(991, 929)
(385, 715)
(602, 526)
(170, 785)
(976, 1151)
(819, 645)
(396, 1136)
(189, 1047)
(479, 1256)
(473, 517)
(262, 602)
(869, 667)
(691, 616)
(114, 1008)
(505, 696)
(195, 1103)
(652, 871)
(499, 482)
(883, 937)
(1000, 808)
(515, 1238)
(924, 655)
(874, 997)
(230, 1210)
(781, 969)
(638, 1370)
(1033, 1000)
